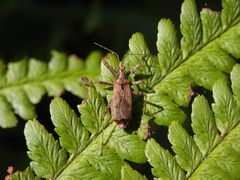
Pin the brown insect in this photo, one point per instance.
(121, 101)
(121, 104)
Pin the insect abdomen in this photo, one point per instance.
(121, 106)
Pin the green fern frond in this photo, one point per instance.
(82, 143)
(207, 155)
(46, 154)
(129, 173)
(24, 83)
(26, 175)
(209, 49)
(63, 117)
(205, 56)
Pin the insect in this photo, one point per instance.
(121, 104)
(121, 101)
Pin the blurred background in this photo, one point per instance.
(32, 28)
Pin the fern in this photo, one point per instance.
(23, 83)
(207, 155)
(204, 57)
(49, 160)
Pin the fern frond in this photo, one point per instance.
(129, 173)
(235, 77)
(86, 158)
(204, 126)
(209, 155)
(25, 175)
(24, 83)
(190, 28)
(225, 108)
(63, 118)
(45, 152)
(209, 49)
(204, 57)
(164, 164)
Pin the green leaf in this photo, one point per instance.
(36, 68)
(127, 146)
(75, 63)
(35, 92)
(164, 164)
(46, 155)
(230, 12)
(24, 82)
(230, 41)
(190, 28)
(217, 57)
(7, 116)
(225, 108)
(20, 102)
(235, 78)
(167, 45)
(106, 73)
(17, 71)
(94, 113)
(177, 86)
(73, 135)
(203, 124)
(128, 173)
(54, 87)
(92, 63)
(164, 110)
(25, 175)
(81, 169)
(139, 55)
(138, 45)
(78, 89)
(223, 162)
(203, 75)
(211, 24)
(108, 163)
(58, 62)
(90, 164)
(187, 153)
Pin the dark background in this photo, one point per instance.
(32, 28)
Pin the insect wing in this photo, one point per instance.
(126, 103)
(116, 102)
(121, 102)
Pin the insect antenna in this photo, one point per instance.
(107, 49)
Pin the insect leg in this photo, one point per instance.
(133, 70)
(137, 82)
(104, 82)
(85, 81)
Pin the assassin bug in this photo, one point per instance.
(121, 102)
